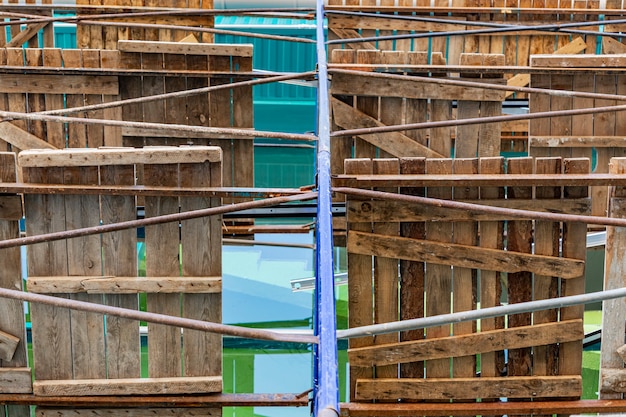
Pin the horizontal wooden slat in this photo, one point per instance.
(185, 48)
(129, 386)
(351, 84)
(128, 412)
(399, 211)
(468, 388)
(66, 84)
(8, 344)
(117, 156)
(382, 23)
(124, 285)
(10, 207)
(461, 255)
(578, 61)
(577, 141)
(464, 345)
(613, 381)
(395, 143)
(16, 381)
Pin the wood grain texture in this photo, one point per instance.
(469, 388)
(128, 386)
(123, 285)
(468, 344)
(184, 48)
(128, 412)
(16, 381)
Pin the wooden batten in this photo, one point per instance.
(61, 84)
(468, 344)
(16, 381)
(124, 285)
(129, 386)
(8, 345)
(117, 156)
(185, 48)
(469, 388)
(462, 256)
(130, 412)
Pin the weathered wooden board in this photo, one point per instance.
(16, 381)
(129, 386)
(469, 388)
(468, 344)
(58, 84)
(123, 285)
(441, 253)
(185, 48)
(130, 412)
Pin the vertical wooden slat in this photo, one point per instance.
(95, 133)
(341, 147)
(539, 103)
(198, 108)
(547, 237)
(162, 259)
(464, 279)
(55, 131)
(84, 256)
(4, 99)
(77, 133)
(368, 105)
(243, 117)
(201, 256)
(412, 273)
(360, 285)
(603, 125)
(153, 111)
(519, 237)
(438, 277)
(131, 87)
(96, 32)
(391, 108)
(119, 253)
(112, 135)
(386, 275)
(36, 102)
(562, 125)
(175, 109)
(570, 354)
(16, 101)
(491, 236)
(50, 325)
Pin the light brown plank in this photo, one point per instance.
(124, 285)
(115, 156)
(129, 412)
(469, 388)
(8, 346)
(441, 253)
(185, 48)
(468, 344)
(128, 386)
(16, 381)
(64, 84)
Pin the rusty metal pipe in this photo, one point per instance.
(167, 218)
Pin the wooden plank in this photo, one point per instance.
(547, 238)
(360, 286)
(124, 285)
(119, 257)
(85, 259)
(58, 84)
(412, 273)
(612, 46)
(386, 275)
(578, 61)
(468, 344)
(243, 117)
(8, 346)
(576, 141)
(50, 325)
(129, 412)
(26, 35)
(16, 101)
(469, 388)
(441, 253)
(613, 382)
(185, 48)
(519, 238)
(16, 381)
(153, 111)
(491, 236)
(441, 138)
(368, 85)
(201, 241)
(115, 156)
(175, 108)
(369, 106)
(128, 386)
(56, 132)
(76, 132)
(162, 258)
(465, 283)
(95, 132)
(395, 143)
(603, 125)
(11, 207)
(438, 280)
(582, 125)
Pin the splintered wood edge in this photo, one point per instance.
(124, 285)
(119, 156)
(184, 48)
(128, 386)
(16, 381)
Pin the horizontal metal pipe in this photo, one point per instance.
(157, 318)
(486, 85)
(478, 120)
(483, 313)
(179, 94)
(209, 131)
(479, 208)
(167, 218)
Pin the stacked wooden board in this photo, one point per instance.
(409, 261)
(79, 353)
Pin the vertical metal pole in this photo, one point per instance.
(326, 383)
